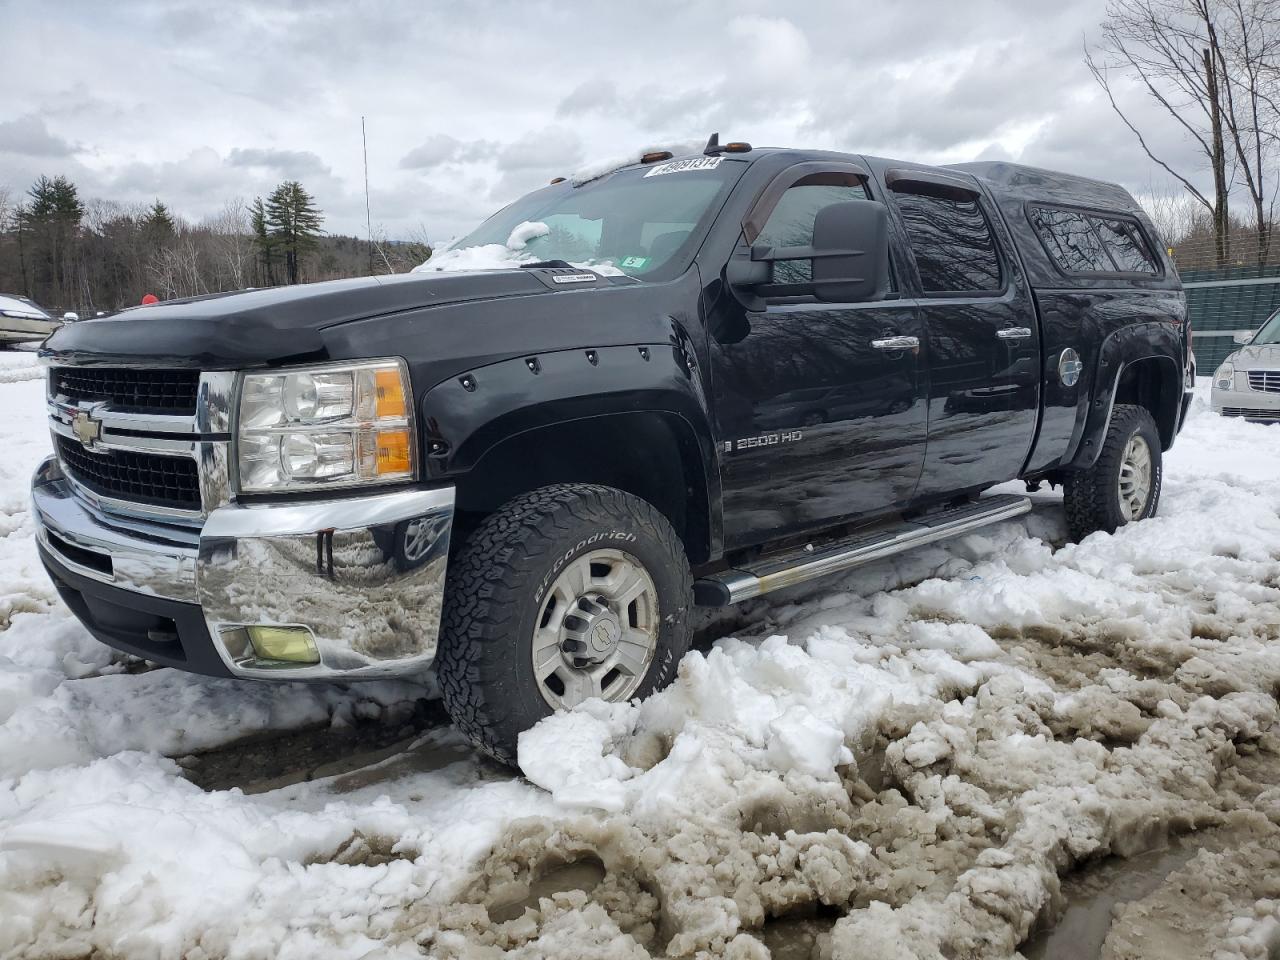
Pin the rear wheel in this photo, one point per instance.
(1123, 486)
(565, 593)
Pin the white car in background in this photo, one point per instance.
(1248, 382)
(22, 321)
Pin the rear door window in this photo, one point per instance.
(952, 242)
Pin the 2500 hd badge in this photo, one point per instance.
(525, 478)
(766, 440)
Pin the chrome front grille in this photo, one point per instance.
(152, 479)
(127, 390)
(1265, 381)
(143, 444)
(1270, 416)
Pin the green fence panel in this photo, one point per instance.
(1222, 303)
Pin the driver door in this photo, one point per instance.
(820, 407)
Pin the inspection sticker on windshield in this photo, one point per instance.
(680, 166)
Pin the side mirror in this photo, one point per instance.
(850, 254)
(1242, 336)
(852, 244)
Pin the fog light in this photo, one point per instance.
(290, 644)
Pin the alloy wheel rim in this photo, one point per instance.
(597, 630)
(417, 539)
(1135, 478)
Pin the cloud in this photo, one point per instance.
(298, 163)
(542, 150)
(441, 148)
(29, 136)
(591, 96)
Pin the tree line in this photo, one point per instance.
(94, 255)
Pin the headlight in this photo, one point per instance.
(335, 425)
(1225, 376)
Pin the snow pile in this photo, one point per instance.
(906, 759)
(599, 168)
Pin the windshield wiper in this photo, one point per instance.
(546, 264)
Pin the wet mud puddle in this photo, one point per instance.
(1093, 893)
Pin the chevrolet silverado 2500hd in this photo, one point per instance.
(699, 379)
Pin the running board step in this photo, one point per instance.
(799, 566)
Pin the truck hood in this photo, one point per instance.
(279, 324)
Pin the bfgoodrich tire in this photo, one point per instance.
(563, 593)
(1123, 486)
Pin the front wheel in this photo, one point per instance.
(565, 593)
(1123, 486)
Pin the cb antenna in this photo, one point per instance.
(368, 211)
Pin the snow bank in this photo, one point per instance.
(910, 756)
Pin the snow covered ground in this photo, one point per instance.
(899, 763)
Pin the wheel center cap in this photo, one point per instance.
(604, 635)
(591, 632)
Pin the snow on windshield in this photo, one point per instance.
(502, 256)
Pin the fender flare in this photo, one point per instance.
(470, 415)
(1131, 344)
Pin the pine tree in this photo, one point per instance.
(293, 220)
(263, 241)
(49, 227)
(157, 223)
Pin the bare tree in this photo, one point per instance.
(1175, 214)
(1250, 49)
(1166, 46)
(1210, 64)
(232, 242)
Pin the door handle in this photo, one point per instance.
(1014, 333)
(896, 343)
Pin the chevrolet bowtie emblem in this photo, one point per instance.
(86, 428)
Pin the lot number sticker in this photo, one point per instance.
(680, 166)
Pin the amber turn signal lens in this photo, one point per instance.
(393, 452)
(390, 393)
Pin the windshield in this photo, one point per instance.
(641, 221)
(1269, 332)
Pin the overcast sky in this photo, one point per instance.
(469, 104)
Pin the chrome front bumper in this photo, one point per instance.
(1242, 401)
(340, 568)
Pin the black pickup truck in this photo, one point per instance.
(691, 380)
